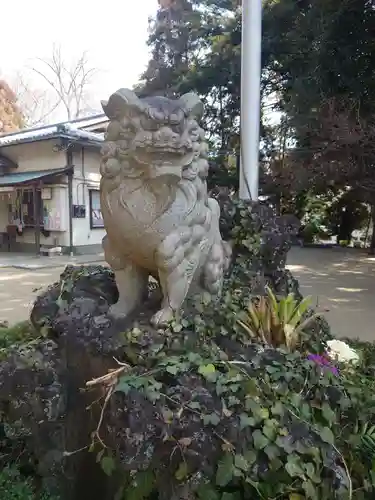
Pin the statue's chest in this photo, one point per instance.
(138, 210)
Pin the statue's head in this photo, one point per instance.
(160, 135)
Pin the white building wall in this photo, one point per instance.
(86, 177)
(35, 156)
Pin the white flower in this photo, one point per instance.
(341, 352)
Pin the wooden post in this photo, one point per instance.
(36, 219)
(69, 157)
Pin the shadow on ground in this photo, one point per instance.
(342, 284)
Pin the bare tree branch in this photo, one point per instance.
(35, 104)
(69, 84)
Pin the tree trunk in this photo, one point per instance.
(372, 246)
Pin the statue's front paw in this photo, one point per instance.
(162, 318)
(119, 310)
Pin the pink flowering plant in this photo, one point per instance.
(324, 362)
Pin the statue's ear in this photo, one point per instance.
(191, 103)
(119, 103)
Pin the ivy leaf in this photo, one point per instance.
(195, 358)
(207, 492)
(208, 371)
(306, 411)
(246, 421)
(286, 444)
(172, 369)
(260, 440)
(122, 386)
(241, 463)
(269, 430)
(230, 496)
(294, 469)
(143, 486)
(277, 409)
(250, 456)
(212, 419)
(99, 456)
(167, 415)
(272, 451)
(194, 405)
(108, 465)
(328, 413)
(262, 413)
(310, 490)
(310, 470)
(182, 471)
(251, 388)
(225, 470)
(327, 435)
(276, 464)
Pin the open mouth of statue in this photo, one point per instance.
(162, 156)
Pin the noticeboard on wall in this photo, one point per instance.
(96, 218)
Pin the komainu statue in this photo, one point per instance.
(159, 219)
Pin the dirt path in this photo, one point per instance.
(18, 289)
(341, 281)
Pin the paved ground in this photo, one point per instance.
(18, 289)
(26, 261)
(342, 282)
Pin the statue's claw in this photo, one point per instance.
(163, 317)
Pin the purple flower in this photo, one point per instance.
(324, 362)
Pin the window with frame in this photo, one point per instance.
(96, 218)
(24, 207)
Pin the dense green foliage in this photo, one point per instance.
(16, 334)
(14, 486)
(278, 424)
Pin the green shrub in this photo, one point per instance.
(237, 421)
(16, 334)
(344, 243)
(310, 233)
(13, 486)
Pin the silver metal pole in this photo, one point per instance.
(250, 98)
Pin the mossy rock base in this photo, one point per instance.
(48, 412)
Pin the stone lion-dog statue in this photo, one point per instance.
(158, 217)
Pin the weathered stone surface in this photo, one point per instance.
(158, 217)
